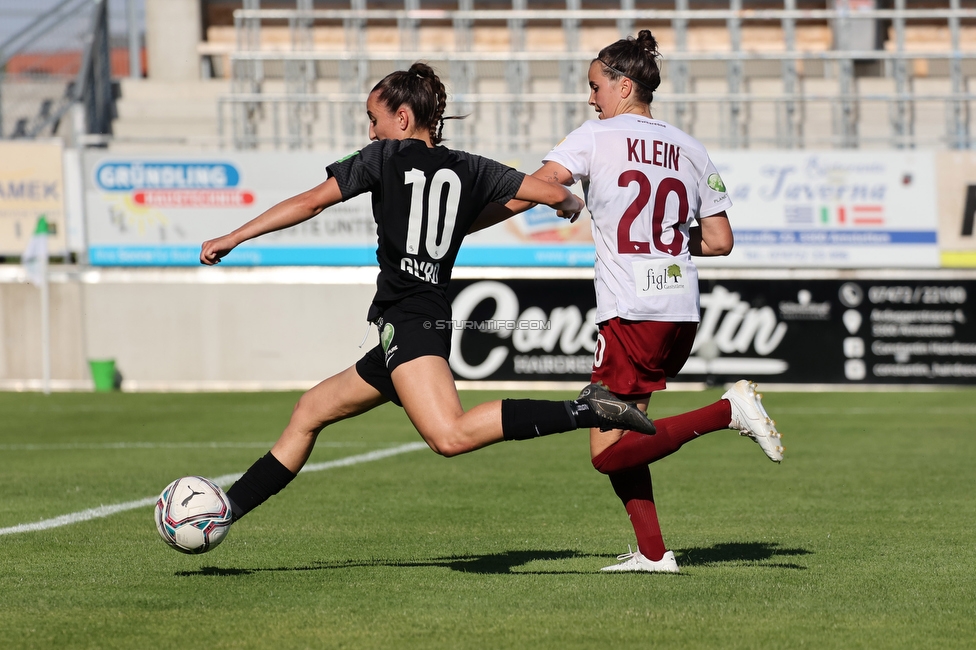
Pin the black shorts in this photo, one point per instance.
(409, 329)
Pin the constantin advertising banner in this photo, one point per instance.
(784, 331)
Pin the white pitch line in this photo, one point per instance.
(226, 479)
(88, 446)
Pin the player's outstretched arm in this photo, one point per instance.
(495, 213)
(713, 238)
(558, 197)
(289, 212)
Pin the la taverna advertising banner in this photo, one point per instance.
(790, 209)
(846, 209)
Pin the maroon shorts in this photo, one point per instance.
(634, 358)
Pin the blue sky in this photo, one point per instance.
(15, 15)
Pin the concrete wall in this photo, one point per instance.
(173, 30)
(186, 330)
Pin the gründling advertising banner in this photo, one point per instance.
(804, 331)
(156, 211)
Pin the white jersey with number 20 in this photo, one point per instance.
(646, 184)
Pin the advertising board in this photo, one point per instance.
(804, 331)
(31, 185)
(830, 209)
(791, 209)
(957, 208)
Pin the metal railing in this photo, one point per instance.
(58, 58)
(526, 117)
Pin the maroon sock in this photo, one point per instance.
(633, 486)
(636, 449)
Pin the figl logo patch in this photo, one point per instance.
(129, 175)
(659, 277)
(715, 182)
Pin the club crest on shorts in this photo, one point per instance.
(386, 340)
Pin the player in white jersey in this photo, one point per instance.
(658, 177)
(656, 199)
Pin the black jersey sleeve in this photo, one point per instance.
(361, 172)
(500, 182)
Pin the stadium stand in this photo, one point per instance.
(739, 73)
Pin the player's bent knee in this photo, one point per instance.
(445, 443)
(447, 448)
(601, 462)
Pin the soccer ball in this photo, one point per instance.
(193, 514)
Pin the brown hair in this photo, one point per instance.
(636, 59)
(422, 90)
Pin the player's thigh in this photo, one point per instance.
(339, 397)
(428, 393)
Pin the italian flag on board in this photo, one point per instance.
(35, 257)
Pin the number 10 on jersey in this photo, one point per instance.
(443, 180)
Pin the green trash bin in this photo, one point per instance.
(103, 374)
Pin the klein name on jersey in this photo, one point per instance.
(426, 271)
(663, 154)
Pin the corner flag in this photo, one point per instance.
(35, 257)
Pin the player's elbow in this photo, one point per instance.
(309, 204)
(723, 247)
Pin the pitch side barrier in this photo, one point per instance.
(286, 328)
(799, 328)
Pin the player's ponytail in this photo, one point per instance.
(636, 59)
(422, 90)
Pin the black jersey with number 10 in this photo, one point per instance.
(425, 200)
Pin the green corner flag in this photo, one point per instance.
(36, 256)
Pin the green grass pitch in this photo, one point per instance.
(865, 537)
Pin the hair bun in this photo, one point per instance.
(647, 42)
(422, 70)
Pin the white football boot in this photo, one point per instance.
(749, 418)
(634, 561)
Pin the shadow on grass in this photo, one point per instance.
(508, 562)
(758, 553)
(495, 563)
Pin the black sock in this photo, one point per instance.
(523, 419)
(584, 415)
(264, 479)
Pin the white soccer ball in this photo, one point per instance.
(193, 514)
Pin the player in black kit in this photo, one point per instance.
(426, 198)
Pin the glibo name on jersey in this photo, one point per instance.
(426, 271)
(663, 154)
